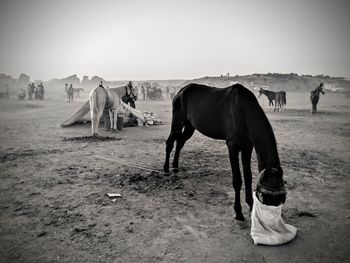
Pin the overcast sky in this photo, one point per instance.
(151, 39)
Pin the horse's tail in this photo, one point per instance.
(95, 111)
(93, 101)
(284, 98)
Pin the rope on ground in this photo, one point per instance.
(130, 165)
(319, 179)
(293, 212)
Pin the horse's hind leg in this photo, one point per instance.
(95, 120)
(175, 132)
(180, 142)
(247, 173)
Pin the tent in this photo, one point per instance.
(147, 118)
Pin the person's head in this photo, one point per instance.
(66, 84)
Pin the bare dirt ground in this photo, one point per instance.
(54, 208)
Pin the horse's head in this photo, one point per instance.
(270, 188)
(261, 91)
(130, 93)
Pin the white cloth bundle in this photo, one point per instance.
(268, 227)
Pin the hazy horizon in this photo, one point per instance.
(145, 40)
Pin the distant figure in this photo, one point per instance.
(143, 92)
(167, 92)
(147, 92)
(30, 92)
(315, 96)
(33, 90)
(41, 91)
(37, 92)
(70, 93)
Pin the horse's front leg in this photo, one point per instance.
(180, 142)
(247, 173)
(175, 132)
(236, 178)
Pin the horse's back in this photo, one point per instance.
(212, 111)
(97, 98)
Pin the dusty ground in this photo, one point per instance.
(54, 208)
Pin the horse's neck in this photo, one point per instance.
(113, 98)
(269, 94)
(121, 91)
(262, 136)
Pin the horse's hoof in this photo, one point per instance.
(240, 218)
(175, 170)
(243, 224)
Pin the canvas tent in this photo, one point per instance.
(147, 118)
(77, 115)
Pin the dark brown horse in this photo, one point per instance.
(315, 96)
(279, 97)
(232, 114)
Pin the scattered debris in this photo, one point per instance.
(42, 233)
(129, 229)
(113, 195)
(319, 179)
(80, 229)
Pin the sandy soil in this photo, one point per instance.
(54, 208)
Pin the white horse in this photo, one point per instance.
(101, 98)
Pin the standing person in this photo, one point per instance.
(41, 90)
(167, 92)
(36, 92)
(70, 93)
(143, 93)
(30, 92)
(66, 90)
(147, 92)
(315, 96)
(132, 100)
(33, 87)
